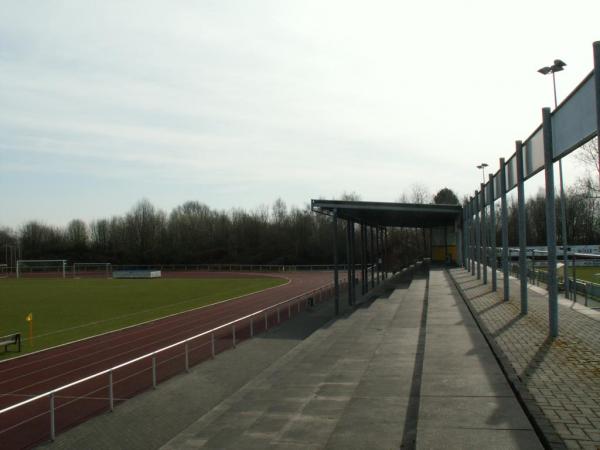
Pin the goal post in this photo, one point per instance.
(3, 270)
(41, 266)
(92, 269)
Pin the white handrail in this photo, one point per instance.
(160, 350)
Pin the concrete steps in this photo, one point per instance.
(344, 387)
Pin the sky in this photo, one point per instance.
(237, 103)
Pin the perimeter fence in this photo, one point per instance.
(41, 417)
(51, 270)
(571, 124)
(577, 289)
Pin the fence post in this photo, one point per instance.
(289, 311)
(52, 422)
(252, 326)
(233, 334)
(111, 394)
(187, 357)
(212, 344)
(587, 292)
(278, 316)
(154, 371)
(266, 321)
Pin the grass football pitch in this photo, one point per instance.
(71, 309)
(587, 273)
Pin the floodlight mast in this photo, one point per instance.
(557, 67)
(482, 166)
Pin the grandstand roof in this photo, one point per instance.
(390, 214)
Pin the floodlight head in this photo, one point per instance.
(545, 70)
(559, 63)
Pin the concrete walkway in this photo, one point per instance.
(407, 370)
(557, 379)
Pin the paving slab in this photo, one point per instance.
(464, 394)
(557, 379)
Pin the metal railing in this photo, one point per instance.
(41, 417)
(588, 291)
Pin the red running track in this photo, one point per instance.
(36, 373)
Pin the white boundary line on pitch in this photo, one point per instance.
(149, 321)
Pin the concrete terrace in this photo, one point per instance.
(407, 369)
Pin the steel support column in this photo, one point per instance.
(378, 253)
(467, 233)
(484, 229)
(597, 89)
(366, 249)
(463, 231)
(468, 236)
(522, 227)
(477, 235)
(471, 239)
(336, 280)
(372, 259)
(381, 253)
(473, 233)
(504, 205)
(353, 262)
(363, 255)
(493, 252)
(550, 223)
(348, 259)
(385, 252)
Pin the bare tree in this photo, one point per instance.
(589, 155)
(420, 194)
(279, 211)
(403, 198)
(350, 197)
(77, 234)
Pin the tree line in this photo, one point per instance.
(191, 233)
(194, 233)
(582, 212)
